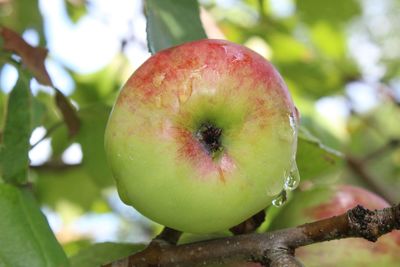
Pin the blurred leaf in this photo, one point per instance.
(76, 9)
(68, 112)
(313, 79)
(101, 86)
(38, 112)
(32, 57)
(374, 128)
(52, 114)
(288, 49)
(26, 238)
(73, 184)
(22, 15)
(73, 247)
(91, 137)
(297, 210)
(103, 253)
(3, 104)
(335, 12)
(315, 159)
(59, 141)
(329, 40)
(17, 130)
(172, 22)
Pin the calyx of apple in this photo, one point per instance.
(203, 136)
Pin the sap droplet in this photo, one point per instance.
(292, 177)
(280, 199)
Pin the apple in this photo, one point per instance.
(202, 136)
(326, 202)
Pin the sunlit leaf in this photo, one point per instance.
(25, 237)
(335, 12)
(76, 9)
(287, 49)
(172, 22)
(328, 40)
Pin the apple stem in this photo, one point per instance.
(168, 235)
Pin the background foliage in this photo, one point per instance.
(339, 59)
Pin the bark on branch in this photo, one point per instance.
(274, 249)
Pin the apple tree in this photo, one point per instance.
(329, 121)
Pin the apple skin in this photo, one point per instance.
(326, 202)
(155, 140)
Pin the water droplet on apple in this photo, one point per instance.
(288, 134)
(280, 199)
(292, 177)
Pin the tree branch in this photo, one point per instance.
(274, 249)
(54, 166)
(390, 145)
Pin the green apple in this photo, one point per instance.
(326, 202)
(202, 136)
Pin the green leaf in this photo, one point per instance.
(21, 15)
(103, 253)
(38, 112)
(91, 138)
(314, 159)
(17, 130)
(334, 12)
(25, 237)
(287, 49)
(329, 40)
(172, 22)
(314, 78)
(76, 9)
(73, 185)
(297, 210)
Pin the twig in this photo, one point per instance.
(392, 144)
(274, 249)
(48, 133)
(55, 166)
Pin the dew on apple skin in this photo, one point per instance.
(280, 199)
(292, 177)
